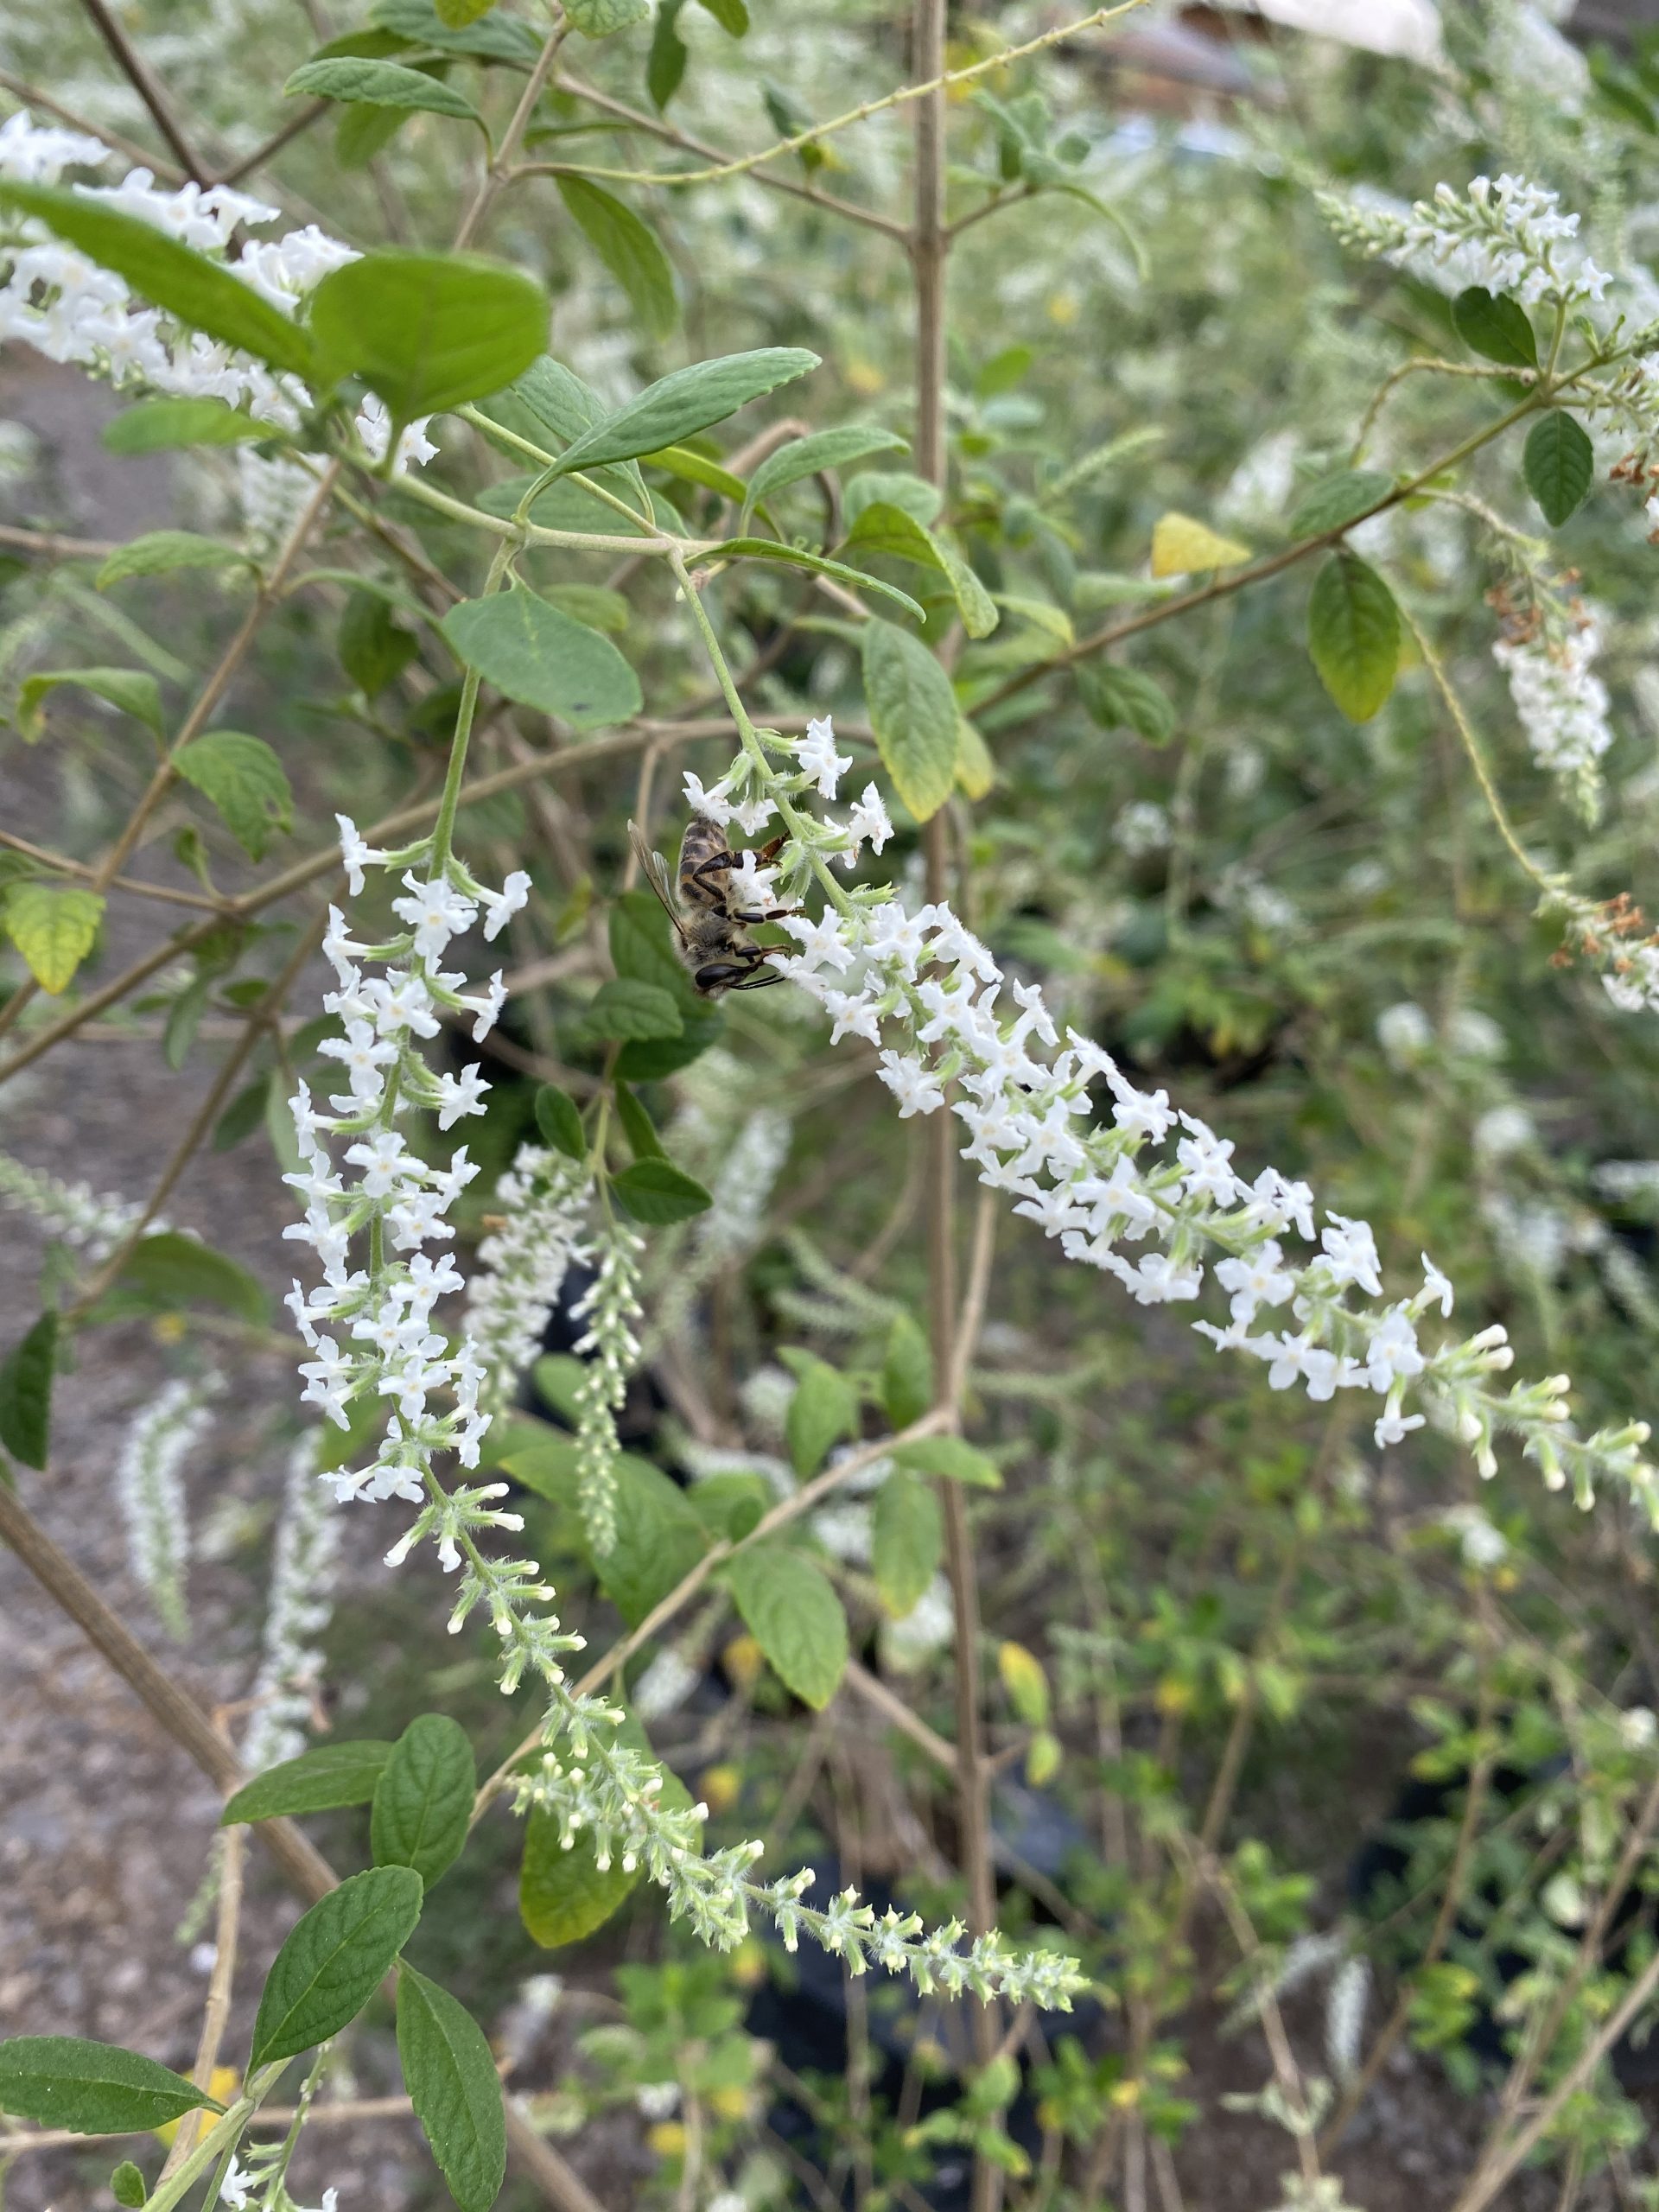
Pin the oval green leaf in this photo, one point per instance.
(380, 84)
(160, 425)
(242, 778)
(1492, 324)
(427, 331)
(687, 401)
(625, 1009)
(657, 1192)
(1335, 501)
(914, 712)
(812, 455)
(168, 1269)
(628, 249)
(333, 1960)
(455, 2089)
(950, 1457)
(327, 1775)
(1353, 634)
(160, 552)
(823, 1411)
(908, 1540)
(91, 2088)
(1559, 463)
(560, 1121)
(793, 1614)
(538, 655)
(424, 1799)
(26, 1392)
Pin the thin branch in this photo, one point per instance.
(144, 82)
(232, 1849)
(273, 146)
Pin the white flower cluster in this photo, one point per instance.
(1614, 934)
(817, 764)
(1142, 827)
(370, 1327)
(1562, 706)
(150, 1493)
(609, 1349)
(523, 1264)
(606, 1790)
(298, 1610)
(1504, 234)
(64, 305)
(95, 1224)
(923, 980)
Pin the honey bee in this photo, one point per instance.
(710, 930)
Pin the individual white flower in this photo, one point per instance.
(867, 821)
(816, 756)
(713, 803)
(822, 944)
(1142, 827)
(355, 854)
(435, 912)
(917, 1090)
(1504, 1131)
(1474, 1035)
(499, 906)
(459, 1095)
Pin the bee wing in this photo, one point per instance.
(655, 873)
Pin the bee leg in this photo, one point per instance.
(771, 914)
(720, 975)
(713, 865)
(759, 980)
(773, 847)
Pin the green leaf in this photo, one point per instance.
(793, 1614)
(1559, 463)
(811, 456)
(596, 604)
(637, 1125)
(160, 425)
(563, 1893)
(666, 59)
(535, 653)
(26, 1392)
(823, 1411)
(244, 779)
(628, 249)
(797, 556)
(55, 930)
(159, 552)
(559, 1121)
(360, 133)
(884, 527)
(374, 650)
(424, 1799)
(657, 1192)
(599, 18)
(641, 947)
(892, 487)
(658, 1540)
(91, 2088)
(127, 2185)
(914, 712)
(950, 1457)
(908, 1540)
(455, 2089)
(625, 1009)
(907, 1372)
(327, 1775)
(1338, 500)
(193, 290)
(456, 15)
(167, 1269)
(1124, 698)
(687, 401)
(427, 331)
(129, 689)
(380, 84)
(332, 1962)
(1492, 324)
(696, 468)
(498, 38)
(732, 16)
(243, 1115)
(1353, 634)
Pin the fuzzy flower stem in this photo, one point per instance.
(444, 828)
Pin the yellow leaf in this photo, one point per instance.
(1025, 1682)
(667, 2138)
(721, 1787)
(743, 1660)
(1181, 547)
(975, 770)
